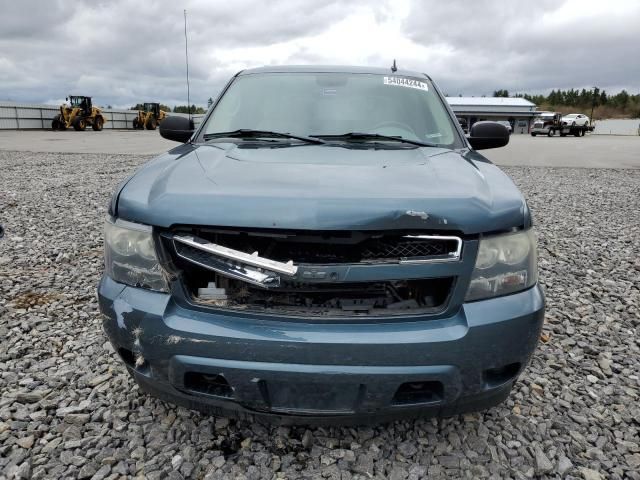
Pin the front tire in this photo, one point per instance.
(550, 133)
(98, 122)
(533, 134)
(79, 124)
(151, 124)
(55, 123)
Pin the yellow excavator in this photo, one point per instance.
(150, 117)
(78, 114)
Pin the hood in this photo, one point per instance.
(320, 187)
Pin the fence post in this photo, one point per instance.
(17, 119)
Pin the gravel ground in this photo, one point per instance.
(68, 409)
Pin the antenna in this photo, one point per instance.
(394, 69)
(186, 57)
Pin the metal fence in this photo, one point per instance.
(623, 126)
(18, 116)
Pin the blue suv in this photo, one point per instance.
(327, 245)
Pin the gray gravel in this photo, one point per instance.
(68, 409)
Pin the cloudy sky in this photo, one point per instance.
(124, 51)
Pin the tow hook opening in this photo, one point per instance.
(412, 393)
(214, 385)
(494, 377)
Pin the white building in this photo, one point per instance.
(517, 111)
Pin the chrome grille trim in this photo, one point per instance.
(231, 269)
(453, 256)
(237, 256)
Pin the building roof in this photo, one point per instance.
(492, 105)
(490, 102)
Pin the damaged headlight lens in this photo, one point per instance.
(130, 255)
(505, 264)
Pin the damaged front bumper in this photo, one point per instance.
(301, 369)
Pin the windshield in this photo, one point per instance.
(316, 104)
(572, 115)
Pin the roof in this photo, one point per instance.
(331, 69)
(490, 101)
(492, 105)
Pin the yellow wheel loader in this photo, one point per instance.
(78, 114)
(150, 117)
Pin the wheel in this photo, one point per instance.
(136, 123)
(151, 123)
(79, 124)
(533, 134)
(98, 122)
(573, 124)
(576, 133)
(55, 123)
(550, 133)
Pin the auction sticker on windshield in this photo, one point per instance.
(406, 82)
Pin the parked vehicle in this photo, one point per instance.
(575, 119)
(329, 245)
(149, 117)
(463, 124)
(79, 114)
(550, 123)
(507, 124)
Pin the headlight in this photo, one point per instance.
(130, 255)
(505, 264)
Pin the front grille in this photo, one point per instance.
(398, 249)
(303, 274)
(347, 248)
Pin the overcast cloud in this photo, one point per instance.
(125, 52)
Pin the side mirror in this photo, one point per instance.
(178, 129)
(488, 135)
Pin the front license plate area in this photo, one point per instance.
(309, 397)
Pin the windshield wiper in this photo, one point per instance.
(249, 133)
(374, 136)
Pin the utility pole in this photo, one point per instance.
(186, 57)
(593, 102)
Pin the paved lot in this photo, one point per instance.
(68, 409)
(592, 151)
(137, 142)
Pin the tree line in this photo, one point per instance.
(176, 109)
(605, 105)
